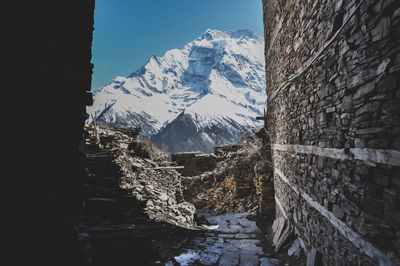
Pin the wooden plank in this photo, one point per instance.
(283, 238)
(278, 231)
(312, 257)
(166, 167)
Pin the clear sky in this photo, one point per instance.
(128, 32)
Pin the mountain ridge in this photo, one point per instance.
(216, 78)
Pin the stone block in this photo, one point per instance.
(359, 143)
(330, 109)
(362, 169)
(335, 173)
(364, 90)
(345, 116)
(321, 118)
(359, 119)
(346, 107)
(323, 92)
(381, 30)
(338, 212)
(372, 208)
(382, 180)
(229, 258)
(388, 83)
(314, 258)
(365, 131)
(368, 108)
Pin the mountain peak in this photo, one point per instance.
(244, 33)
(211, 34)
(216, 81)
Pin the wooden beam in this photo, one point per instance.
(166, 167)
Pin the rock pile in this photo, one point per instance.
(141, 171)
(239, 183)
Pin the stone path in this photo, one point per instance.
(236, 241)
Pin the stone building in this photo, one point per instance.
(334, 128)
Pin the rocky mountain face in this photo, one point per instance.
(216, 83)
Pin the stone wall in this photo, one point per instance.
(239, 182)
(195, 163)
(334, 130)
(50, 45)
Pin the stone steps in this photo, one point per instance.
(237, 241)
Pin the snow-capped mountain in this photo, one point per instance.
(215, 83)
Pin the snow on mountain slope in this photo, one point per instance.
(216, 81)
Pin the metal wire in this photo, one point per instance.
(324, 47)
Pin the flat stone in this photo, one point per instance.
(229, 229)
(278, 231)
(338, 212)
(382, 67)
(187, 257)
(382, 180)
(283, 237)
(163, 197)
(364, 90)
(244, 222)
(294, 247)
(365, 131)
(242, 236)
(245, 244)
(210, 256)
(321, 118)
(330, 110)
(368, 108)
(381, 30)
(276, 223)
(226, 235)
(268, 262)
(248, 259)
(211, 240)
(229, 258)
(251, 229)
(335, 173)
(312, 259)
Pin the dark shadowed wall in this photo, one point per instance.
(50, 53)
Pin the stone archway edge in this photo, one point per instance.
(370, 156)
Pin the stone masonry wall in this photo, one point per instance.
(239, 182)
(195, 163)
(335, 130)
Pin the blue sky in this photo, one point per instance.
(128, 32)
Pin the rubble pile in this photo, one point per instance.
(141, 171)
(239, 182)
